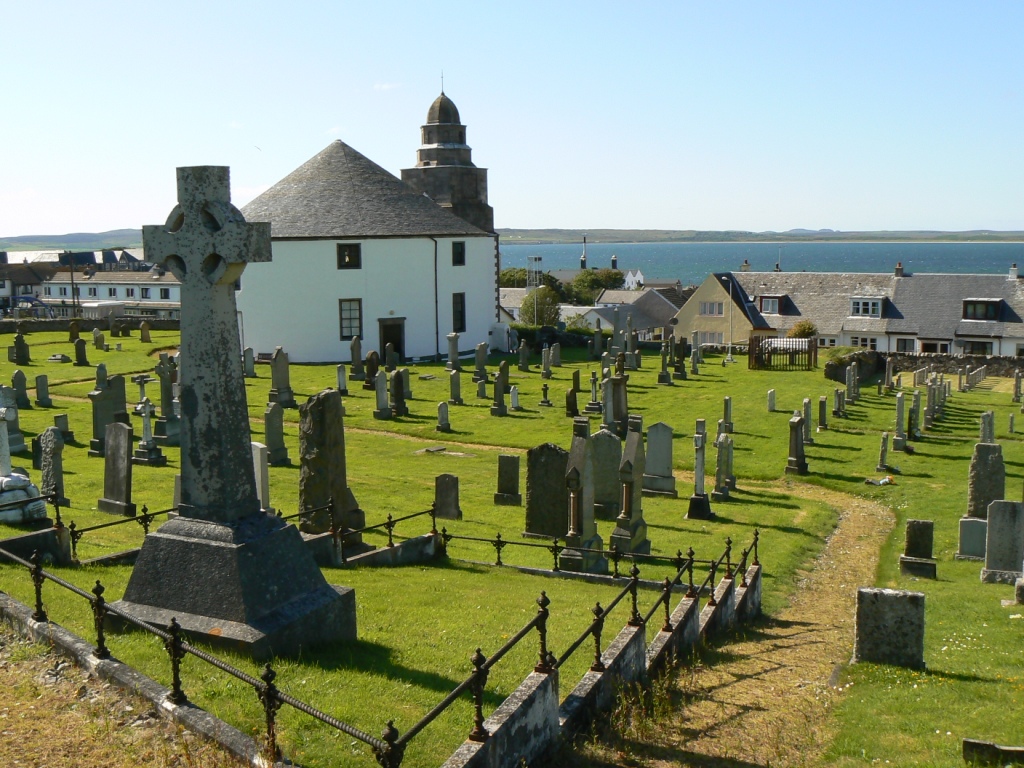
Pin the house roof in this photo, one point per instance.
(340, 193)
(151, 277)
(27, 274)
(641, 320)
(512, 298)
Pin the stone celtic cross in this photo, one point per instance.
(206, 244)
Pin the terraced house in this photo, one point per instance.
(898, 312)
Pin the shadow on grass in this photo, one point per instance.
(833, 447)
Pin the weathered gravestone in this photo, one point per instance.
(99, 340)
(372, 368)
(51, 444)
(453, 352)
(9, 414)
(341, 374)
(443, 422)
(658, 477)
(699, 507)
(889, 627)
(572, 407)
(109, 405)
(15, 486)
(168, 426)
(20, 386)
(280, 380)
(43, 392)
(797, 464)
(21, 350)
(391, 358)
(261, 468)
(117, 471)
(273, 433)
(822, 414)
(397, 403)
(883, 454)
(498, 407)
(60, 421)
(144, 332)
(547, 497)
(446, 497)
(81, 354)
(986, 482)
(74, 331)
(480, 362)
(148, 451)
(916, 559)
(630, 534)
(607, 456)
(355, 350)
(508, 481)
(225, 570)
(1004, 548)
(323, 473)
(771, 401)
(455, 388)
(248, 363)
(583, 552)
(383, 410)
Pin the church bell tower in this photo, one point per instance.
(444, 167)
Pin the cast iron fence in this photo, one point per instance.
(771, 353)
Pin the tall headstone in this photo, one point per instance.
(700, 507)
(1004, 550)
(899, 439)
(658, 478)
(500, 382)
(630, 534)
(280, 380)
(323, 473)
(391, 358)
(453, 352)
(446, 497)
(108, 406)
(556, 355)
(572, 407)
(822, 413)
(20, 386)
(721, 489)
(508, 481)
(148, 451)
(727, 425)
(117, 471)
(383, 409)
(480, 362)
(524, 356)
(372, 369)
(145, 335)
(808, 439)
(250, 582)
(60, 421)
(513, 397)
(43, 392)
(797, 464)
(606, 450)
(547, 497)
(168, 425)
(21, 350)
(248, 363)
(81, 353)
(546, 363)
(443, 422)
(583, 544)
(883, 454)
(51, 444)
(771, 401)
(916, 559)
(355, 351)
(261, 468)
(988, 427)
(74, 331)
(663, 376)
(398, 393)
(594, 406)
(455, 388)
(986, 482)
(341, 373)
(914, 419)
(273, 434)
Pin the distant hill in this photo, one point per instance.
(741, 236)
(76, 241)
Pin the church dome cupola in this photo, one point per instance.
(443, 111)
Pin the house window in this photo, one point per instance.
(770, 306)
(63, 291)
(165, 293)
(866, 307)
(91, 290)
(711, 337)
(350, 256)
(351, 312)
(864, 341)
(905, 345)
(112, 293)
(46, 290)
(944, 349)
(458, 254)
(712, 309)
(129, 292)
(3, 283)
(145, 293)
(981, 310)
(459, 312)
(978, 348)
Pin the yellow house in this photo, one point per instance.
(719, 312)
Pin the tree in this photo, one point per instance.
(589, 283)
(512, 277)
(540, 307)
(804, 329)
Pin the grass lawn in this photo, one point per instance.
(419, 625)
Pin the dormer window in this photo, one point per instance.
(861, 307)
(981, 309)
(770, 305)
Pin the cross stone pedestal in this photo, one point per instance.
(230, 573)
(700, 507)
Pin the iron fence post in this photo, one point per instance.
(598, 665)
(498, 546)
(728, 557)
(691, 592)
(479, 732)
(177, 653)
(433, 517)
(37, 582)
(635, 619)
(390, 525)
(267, 693)
(668, 599)
(58, 523)
(614, 552)
(555, 550)
(445, 538)
(757, 535)
(391, 755)
(75, 536)
(99, 614)
(545, 661)
(714, 572)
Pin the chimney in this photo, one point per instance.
(583, 258)
(1013, 272)
(615, 262)
(899, 269)
(745, 266)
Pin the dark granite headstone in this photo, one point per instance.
(508, 481)
(446, 497)
(81, 354)
(20, 386)
(547, 498)
(273, 435)
(117, 471)
(43, 391)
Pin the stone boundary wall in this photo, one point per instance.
(39, 325)
(950, 364)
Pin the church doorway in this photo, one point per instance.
(392, 331)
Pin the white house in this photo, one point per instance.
(357, 252)
(143, 293)
(634, 280)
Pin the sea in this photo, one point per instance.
(692, 262)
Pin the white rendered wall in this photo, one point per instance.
(292, 301)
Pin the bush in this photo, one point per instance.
(804, 329)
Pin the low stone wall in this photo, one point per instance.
(419, 549)
(39, 325)
(868, 364)
(950, 364)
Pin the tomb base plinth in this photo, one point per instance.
(582, 561)
(112, 507)
(508, 499)
(167, 430)
(658, 485)
(795, 467)
(700, 507)
(283, 397)
(918, 566)
(150, 455)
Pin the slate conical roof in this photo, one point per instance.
(443, 110)
(341, 193)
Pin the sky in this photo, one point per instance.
(651, 115)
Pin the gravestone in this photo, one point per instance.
(443, 424)
(60, 421)
(594, 406)
(524, 356)
(508, 481)
(99, 340)
(916, 559)
(695, 362)
(723, 448)
(21, 350)
(108, 405)
(889, 627)
(547, 496)
(453, 353)
(15, 486)
(544, 399)
(250, 582)
(51, 445)
(355, 356)
(168, 425)
(481, 389)
(20, 386)
(372, 368)
(480, 362)
(630, 534)
(545, 359)
(606, 451)
(572, 407)
(74, 331)
(822, 413)
(663, 375)
(273, 434)
(261, 468)
(883, 454)
(81, 354)
(500, 382)
(582, 537)
(323, 472)
(797, 464)
(43, 392)
(145, 335)
(988, 427)
(455, 388)
(658, 478)
(1004, 548)
(914, 418)
(341, 373)
(576, 380)
(727, 425)
(808, 439)
(899, 440)
(148, 452)
(699, 507)
(446, 497)
(771, 401)
(280, 380)
(141, 381)
(117, 471)
(513, 397)
(391, 358)
(556, 355)
(383, 410)
(397, 402)
(248, 363)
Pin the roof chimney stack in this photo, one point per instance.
(899, 269)
(583, 258)
(745, 266)
(1013, 272)
(615, 262)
